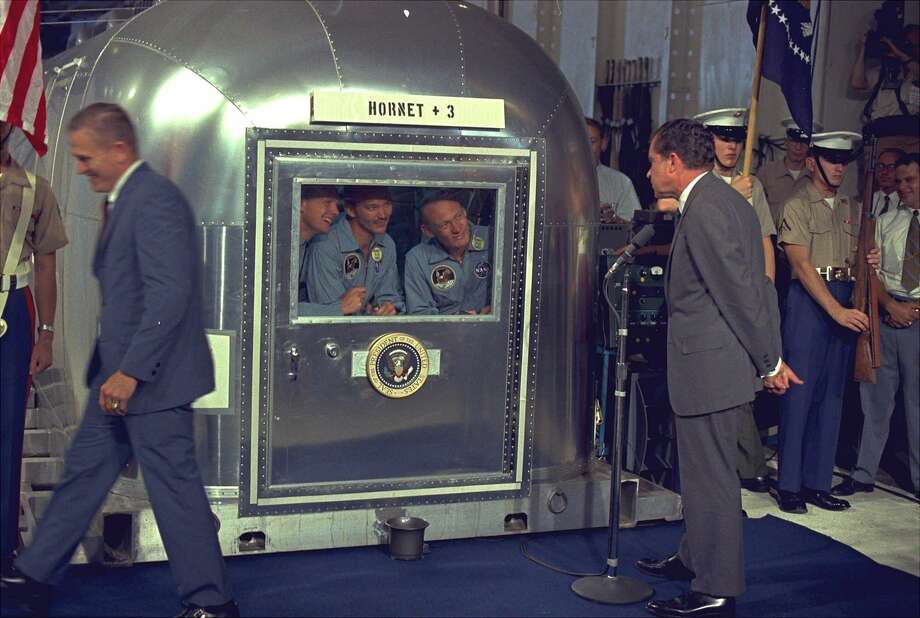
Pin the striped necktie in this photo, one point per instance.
(910, 273)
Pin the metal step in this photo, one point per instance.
(42, 472)
(36, 443)
(45, 442)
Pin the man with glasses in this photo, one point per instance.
(897, 234)
(450, 273)
(885, 199)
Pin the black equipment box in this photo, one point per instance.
(612, 236)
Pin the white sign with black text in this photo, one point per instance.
(406, 109)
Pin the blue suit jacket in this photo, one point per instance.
(150, 326)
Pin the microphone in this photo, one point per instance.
(638, 241)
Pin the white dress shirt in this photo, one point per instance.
(878, 202)
(891, 238)
(686, 192)
(113, 195)
(615, 188)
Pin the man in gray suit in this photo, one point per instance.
(150, 362)
(723, 346)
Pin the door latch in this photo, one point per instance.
(293, 370)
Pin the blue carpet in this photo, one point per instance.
(791, 571)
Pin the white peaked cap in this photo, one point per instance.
(728, 117)
(837, 140)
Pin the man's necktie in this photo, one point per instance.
(885, 206)
(910, 273)
(302, 295)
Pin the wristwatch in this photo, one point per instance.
(46, 328)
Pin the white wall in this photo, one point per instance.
(726, 55)
(567, 32)
(578, 49)
(647, 32)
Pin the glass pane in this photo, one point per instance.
(375, 250)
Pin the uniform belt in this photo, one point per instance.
(14, 282)
(832, 273)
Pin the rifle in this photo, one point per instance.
(865, 292)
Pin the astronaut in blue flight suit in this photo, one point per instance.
(451, 272)
(319, 210)
(354, 265)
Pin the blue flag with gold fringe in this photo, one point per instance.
(788, 57)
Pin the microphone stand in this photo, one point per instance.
(611, 588)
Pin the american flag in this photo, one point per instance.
(22, 91)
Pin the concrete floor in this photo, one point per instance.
(883, 525)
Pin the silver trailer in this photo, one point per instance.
(297, 448)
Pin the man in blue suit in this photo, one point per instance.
(150, 362)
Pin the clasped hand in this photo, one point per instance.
(780, 383)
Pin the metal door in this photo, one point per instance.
(318, 435)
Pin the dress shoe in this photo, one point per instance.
(27, 594)
(757, 484)
(693, 604)
(824, 500)
(669, 568)
(789, 501)
(227, 610)
(850, 486)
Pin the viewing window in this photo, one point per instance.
(376, 250)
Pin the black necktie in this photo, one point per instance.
(302, 295)
(910, 273)
(885, 206)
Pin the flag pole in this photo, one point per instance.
(755, 94)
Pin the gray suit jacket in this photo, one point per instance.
(723, 318)
(147, 262)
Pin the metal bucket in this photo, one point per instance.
(407, 537)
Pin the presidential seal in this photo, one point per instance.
(397, 365)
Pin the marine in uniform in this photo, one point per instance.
(451, 272)
(319, 209)
(27, 204)
(355, 263)
(782, 178)
(897, 234)
(819, 234)
(729, 128)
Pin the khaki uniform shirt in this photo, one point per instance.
(45, 233)
(829, 234)
(779, 185)
(759, 202)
